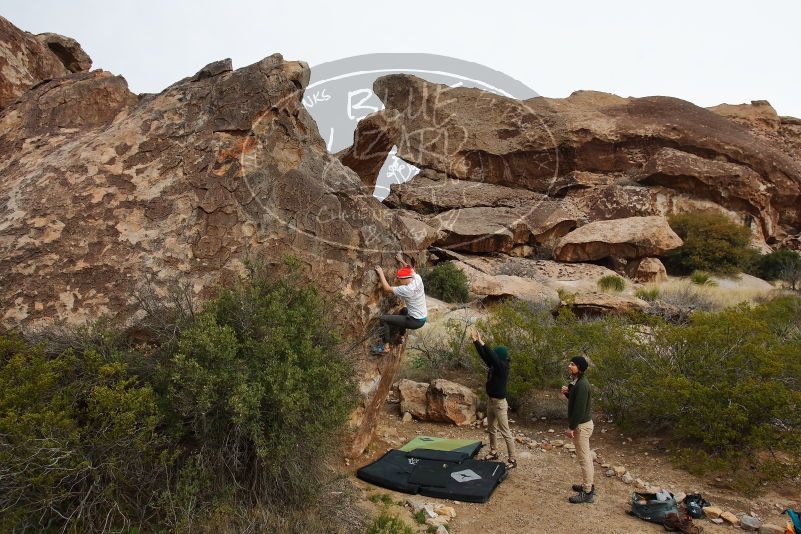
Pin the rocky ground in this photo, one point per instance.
(533, 499)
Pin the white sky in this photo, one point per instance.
(707, 52)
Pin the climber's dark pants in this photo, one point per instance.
(394, 326)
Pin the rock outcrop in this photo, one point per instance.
(27, 59)
(743, 162)
(629, 238)
(102, 189)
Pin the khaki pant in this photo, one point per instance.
(497, 417)
(581, 439)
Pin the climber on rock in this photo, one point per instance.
(412, 316)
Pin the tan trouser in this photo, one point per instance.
(581, 439)
(497, 416)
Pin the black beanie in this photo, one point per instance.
(581, 362)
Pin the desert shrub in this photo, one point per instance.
(229, 422)
(705, 384)
(771, 266)
(702, 278)
(246, 383)
(446, 282)
(387, 523)
(712, 243)
(723, 387)
(540, 345)
(784, 265)
(612, 283)
(648, 294)
(80, 443)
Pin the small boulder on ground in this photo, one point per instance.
(413, 398)
(748, 522)
(451, 402)
(712, 512)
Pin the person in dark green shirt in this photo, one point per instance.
(580, 426)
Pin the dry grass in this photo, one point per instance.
(685, 294)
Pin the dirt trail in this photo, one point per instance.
(533, 499)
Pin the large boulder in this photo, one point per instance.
(68, 51)
(450, 402)
(630, 238)
(101, 189)
(646, 270)
(26, 60)
(468, 134)
(597, 304)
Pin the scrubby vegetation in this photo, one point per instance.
(784, 265)
(611, 283)
(446, 282)
(712, 243)
(725, 387)
(216, 421)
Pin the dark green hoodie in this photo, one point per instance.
(579, 403)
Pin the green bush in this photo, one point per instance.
(612, 283)
(541, 345)
(446, 282)
(389, 524)
(782, 265)
(80, 441)
(247, 382)
(232, 413)
(648, 294)
(702, 278)
(712, 243)
(726, 387)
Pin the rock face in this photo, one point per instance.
(26, 60)
(630, 238)
(638, 153)
(102, 188)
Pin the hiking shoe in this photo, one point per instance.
(582, 497)
(511, 464)
(675, 523)
(492, 455)
(580, 487)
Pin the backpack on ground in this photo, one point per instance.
(653, 507)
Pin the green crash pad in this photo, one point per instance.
(467, 446)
